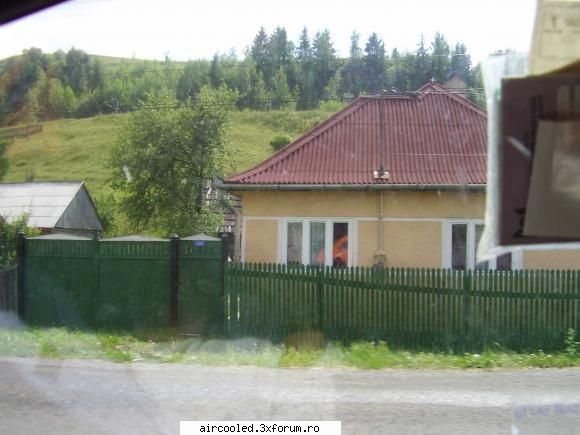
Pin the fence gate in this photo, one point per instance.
(201, 285)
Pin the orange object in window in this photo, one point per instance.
(339, 253)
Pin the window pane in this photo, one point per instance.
(458, 246)
(483, 265)
(317, 237)
(294, 252)
(504, 262)
(340, 244)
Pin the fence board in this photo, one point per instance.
(406, 307)
(8, 295)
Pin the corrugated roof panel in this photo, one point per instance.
(433, 138)
(43, 202)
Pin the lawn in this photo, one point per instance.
(166, 346)
(79, 149)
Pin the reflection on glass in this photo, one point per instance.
(294, 251)
(340, 244)
(482, 265)
(504, 262)
(317, 243)
(458, 246)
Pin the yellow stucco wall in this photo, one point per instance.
(364, 204)
(555, 259)
(261, 241)
(406, 244)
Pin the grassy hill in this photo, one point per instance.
(78, 149)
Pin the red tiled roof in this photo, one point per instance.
(433, 137)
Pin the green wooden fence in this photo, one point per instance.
(97, 284)
(8, 294)
(429, 308)
(128, 284)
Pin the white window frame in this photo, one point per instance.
(470, 260)
(328, 225)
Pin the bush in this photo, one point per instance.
(9, 237)
(280, 141)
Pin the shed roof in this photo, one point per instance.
(44, 202)
(432, 137)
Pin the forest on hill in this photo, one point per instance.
(274, 73)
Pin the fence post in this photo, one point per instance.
(97, 283)
(20, 283)
(222, 312)
(174, 280)
(320, 294)
(467, 288)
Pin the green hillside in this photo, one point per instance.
(78, 149)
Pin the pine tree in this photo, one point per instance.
(374, 65)
(351, 74)
(305, 83)
(460, 61)
(281, 95)
(324, 62)
(304, 50)
(215, 72)
(422, 68)
(439, 57)
(260, 52)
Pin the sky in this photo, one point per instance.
(188, 29)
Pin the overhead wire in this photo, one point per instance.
(263, 103)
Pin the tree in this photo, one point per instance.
(77, 70)
(460, 61)
(306, 73)
(279, 48)
(475, 86)
(280, 91)
(374, 65)
(260, 52)
(195, 76)
(439, 57)
(165, 158)
(352, 73)
(324, 62)
(422, 70)
(96, 74)
(215, 72)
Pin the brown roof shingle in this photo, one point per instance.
(432, 137)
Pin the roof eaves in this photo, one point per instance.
(349, 187)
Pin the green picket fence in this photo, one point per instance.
(433, 308)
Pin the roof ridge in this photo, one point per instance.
(301, 141)
(76, 182)
(468, 104)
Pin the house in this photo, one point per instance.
(51, 206)
(396, 180)
(456, 83)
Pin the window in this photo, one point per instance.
(461, 240)
(294, 243)
(317, 242)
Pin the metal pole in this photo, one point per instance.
(174, 280)
(222, 312)
(21, 284)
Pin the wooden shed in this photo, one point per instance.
(51, 206)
